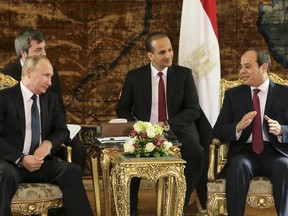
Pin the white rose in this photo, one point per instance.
(167, 145)
(158, 129)
(128, 148)
(130, 141)
(150, 132)
(137, 127)
(149, 147)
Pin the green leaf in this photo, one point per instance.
(156, 154)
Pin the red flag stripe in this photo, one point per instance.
(210, 9)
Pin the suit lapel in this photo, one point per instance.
(170, 86)
(44, 110)
(147, 73)
(20, 107)
(246, 107)
(248, 98)
(270, 97)
(269, 102)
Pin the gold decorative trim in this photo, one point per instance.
(7, 81)
(216, 201)
(41, 207)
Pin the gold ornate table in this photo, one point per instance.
(168, 170)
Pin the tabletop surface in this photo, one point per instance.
(120, 157)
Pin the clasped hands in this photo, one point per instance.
(33, 162)
(274, 126)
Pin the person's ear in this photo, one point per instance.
(264, 67)
(28, 72)
(23, 54)
(150, 55)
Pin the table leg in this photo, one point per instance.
(160, 191)
(95, 176)
(105, 167)
(169, 195)
(179, 191)
(121, 191)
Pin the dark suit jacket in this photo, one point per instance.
(12, 122)
(182, 99)
(238, 102)
(15, 70)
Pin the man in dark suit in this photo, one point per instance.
(139, 99)
(18, 162)
(252, 153)
(30, 42)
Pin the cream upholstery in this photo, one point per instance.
(34, 198)
(260, 191)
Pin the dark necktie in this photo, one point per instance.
(257, 137)
(35, 125)
(161, 99)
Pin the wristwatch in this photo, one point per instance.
(166, 126)
(20, 161)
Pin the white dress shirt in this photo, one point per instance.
(262, 98)
(154, 103)
(27, 94)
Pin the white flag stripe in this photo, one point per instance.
(199, 50)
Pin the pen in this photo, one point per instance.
(135, 118)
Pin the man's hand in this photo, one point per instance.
(44, 149)
(161, 124)
(32, 163)
(274, 126)
(245, 121)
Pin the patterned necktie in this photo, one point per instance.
(161, 99)
(35, 126)
(257, 137)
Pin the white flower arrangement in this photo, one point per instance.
(147, 139)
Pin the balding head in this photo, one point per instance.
(36, 74)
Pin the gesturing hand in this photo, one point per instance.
(245, 121)
(274, 126)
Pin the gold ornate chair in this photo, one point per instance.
(35, 198)
(260, 191)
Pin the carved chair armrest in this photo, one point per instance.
(216, 143)
(68, 151)
(175, 150)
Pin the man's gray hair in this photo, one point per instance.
(24, 38)
(262, 57)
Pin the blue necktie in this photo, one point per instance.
(35, 126)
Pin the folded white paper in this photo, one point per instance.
(112, 139)
(118, 120)
(74, 129)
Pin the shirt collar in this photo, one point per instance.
(27, 94)
(22, 61)
(155, 71)
(263, 87)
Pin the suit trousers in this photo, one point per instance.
(67, 175)
(194, 155)
(242, 167)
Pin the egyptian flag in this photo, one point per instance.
(199, 51)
